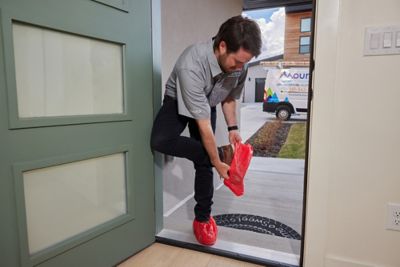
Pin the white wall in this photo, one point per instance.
(354, 165)
(185, 22)
(254, 72)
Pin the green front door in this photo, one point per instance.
(76, 171)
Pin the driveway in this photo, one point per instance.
(252, 118)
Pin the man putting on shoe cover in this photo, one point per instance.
(205, 75)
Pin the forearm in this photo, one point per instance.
(208, 140)
(229, 110)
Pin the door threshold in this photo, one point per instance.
(237, 251)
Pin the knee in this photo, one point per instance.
(158, 142)
(155, 142)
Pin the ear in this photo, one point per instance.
(222, 47)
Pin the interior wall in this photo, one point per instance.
(354, 146)
(185, 22)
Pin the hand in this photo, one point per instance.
(222, 169)
(234, 137)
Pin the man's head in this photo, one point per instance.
(236, 43)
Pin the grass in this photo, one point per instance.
(294, 147)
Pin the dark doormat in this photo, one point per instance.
(256, 224)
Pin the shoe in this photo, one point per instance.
(238, 168)
(226, 154)
(205, 232)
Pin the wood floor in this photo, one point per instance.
(160, 255)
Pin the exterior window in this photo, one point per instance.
(305, 25)
(304, 45)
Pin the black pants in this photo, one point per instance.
(166, 138)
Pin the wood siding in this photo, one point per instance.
(292, 36)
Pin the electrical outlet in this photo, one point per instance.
(393, 216)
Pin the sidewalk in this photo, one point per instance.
(277, 165)
(252, 118)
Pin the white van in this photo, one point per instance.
(286, 92)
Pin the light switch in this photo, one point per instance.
(387, 40)
(375, 41)
(382, 40)
(398, 39)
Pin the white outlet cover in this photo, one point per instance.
(393, 216)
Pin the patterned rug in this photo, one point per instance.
(256, 224)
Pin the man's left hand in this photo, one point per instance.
(234, 136)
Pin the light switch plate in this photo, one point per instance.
(387, 39)
(382, 40)
(398, 39)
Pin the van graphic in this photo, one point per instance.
(286, 92)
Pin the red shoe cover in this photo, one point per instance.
(205, 232)
(240, 163)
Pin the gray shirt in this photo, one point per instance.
(198, 83)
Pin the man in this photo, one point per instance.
(205, 75)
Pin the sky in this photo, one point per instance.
(272, 25)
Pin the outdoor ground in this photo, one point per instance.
(273, 196)
(271, 137)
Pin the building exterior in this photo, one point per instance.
(297, 33)
(255, 81)
(296, 52)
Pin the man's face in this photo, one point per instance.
(230, 62)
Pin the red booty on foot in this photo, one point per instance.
(205, 232)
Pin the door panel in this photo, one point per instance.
(260, 85)
(90, 71)
(76, 171)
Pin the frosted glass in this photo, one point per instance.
(61, 74)
(65, 200)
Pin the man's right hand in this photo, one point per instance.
(222, 169)
(208, 139)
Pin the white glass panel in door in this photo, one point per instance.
(63, 201)
(61, 74)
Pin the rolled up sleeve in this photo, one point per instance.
(192, 100)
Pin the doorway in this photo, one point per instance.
(259, 90)
(280, 175)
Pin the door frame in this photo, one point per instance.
(157, 93)
(158, 162)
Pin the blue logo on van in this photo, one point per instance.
(273, 99)
(294, 76)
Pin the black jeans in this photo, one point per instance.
(166, 138)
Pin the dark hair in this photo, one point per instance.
(239, 32)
